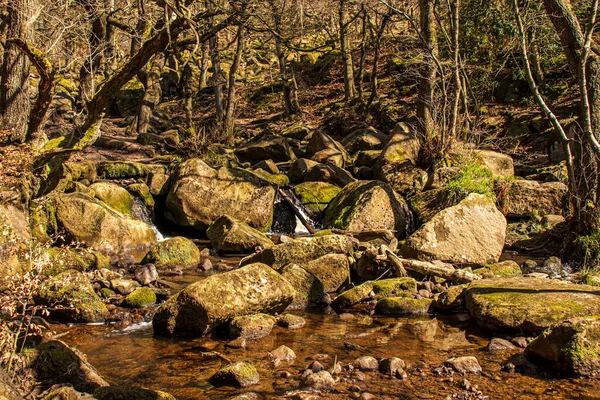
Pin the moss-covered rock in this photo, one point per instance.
(364, 139)
(400, 148)
(315, 196)
(230, 236)
(571, 346)
(404, 178)
(353, 296)
(471, 232)
(501, 165)
(367, 205)
(90, 221)
(218, 299)
(82, 170)
(322, 143)
(114, 196)
(130, 393)
(504, 269)
(393, 286)
(404, 306)
(142, 191)
(54, 362)
(251, 327)
(275, 179)
(308, 289)
(56, 260)
(142, 297)
(176, 252)
(127, 170)
(453, 299)
(303, 250)
(60, 392)
(72, 298)
(528, 304)
(332, 270)
(240, 374)
(199, 195)
(269, 147)
(426, 205)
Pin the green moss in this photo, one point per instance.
(107, 293)
(276, 179)
(114, 196)
(231, 236)
(57, 260)
(142, 191)
(504, 269)
(142, 297)
(324, 232)
(353, 296)
(177, 252)
(251, 326)
(473, 177)
(403, 306)
(240, 374)
(122, 170)
(389, 287)
(55, 143)
(315, 196)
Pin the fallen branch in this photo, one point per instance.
(428, 268)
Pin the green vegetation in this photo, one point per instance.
(473, 177)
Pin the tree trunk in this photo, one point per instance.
(93, 60)
(349, 86)
(14, 72)
(152, 94)
(229, 122)
(426, 97)
(204, 66)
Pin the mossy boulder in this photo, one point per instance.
(142, 192)
(500, 165)
(81, 170)
(54, 362)
(269, 147)
(529, 304)
(308, 289)
(332, 270)
(114, 196)
(303, 250)
(176, 252)
(275, 179)
(367, 205)
(572, 347)
(364, 139)
(404, 306)
(141, 297)
(453, 299)
(523, 198)
(127, 170)
(353, 296)
(218, 299)
(315, 196)
(231, 236)
(504, 269)
(321, 143)
(303, 170)
(400, 148)
(58, 259)
(251, 327)
(394, 286)
(72, 298)
(90, 221)
(404, 178)
(472, 232)
(130, 393)
(200, 195)
(241, 374)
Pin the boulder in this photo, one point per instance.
(500, 165)
(176, 252)
(303, 250)
(72, 298)
(269, 147)
(124, 286)
(291, 321)
(367, 158)
(570, 346)
(114, 196)
(332, 270)
(471, 232)
(352, 296)
(400, 148)
(453, 299)
(366, 363)
(54, 362)
(127, 170)
(241, 374)
(364, 139)
(309, 289)
(141, 297)
(529, 304)
(404, 178)
(199, 195)
(146, 274)
(394, 286)
(426, 205)
(367, 205)
(59, 259)
(142, 192)
(303, 170)
(267, 166)
(404, 306)
(231, 236)
(331, 157)
(89, 221)
(464, 365)
(218, 299)
(251, 327)
(320, 142)
(284, 353)
(321, 380)
(504, 269)
(522, 198)
(315, 196)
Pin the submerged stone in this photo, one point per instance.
(240, 374)
(251, 326)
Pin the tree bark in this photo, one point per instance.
(349, 85)
(152, 94)
(426, 97)
(229, 121)
(14, 72)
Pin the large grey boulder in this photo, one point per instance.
(472, 232)
(200, 195)
(216, 300)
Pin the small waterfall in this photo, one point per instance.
(141, 212)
